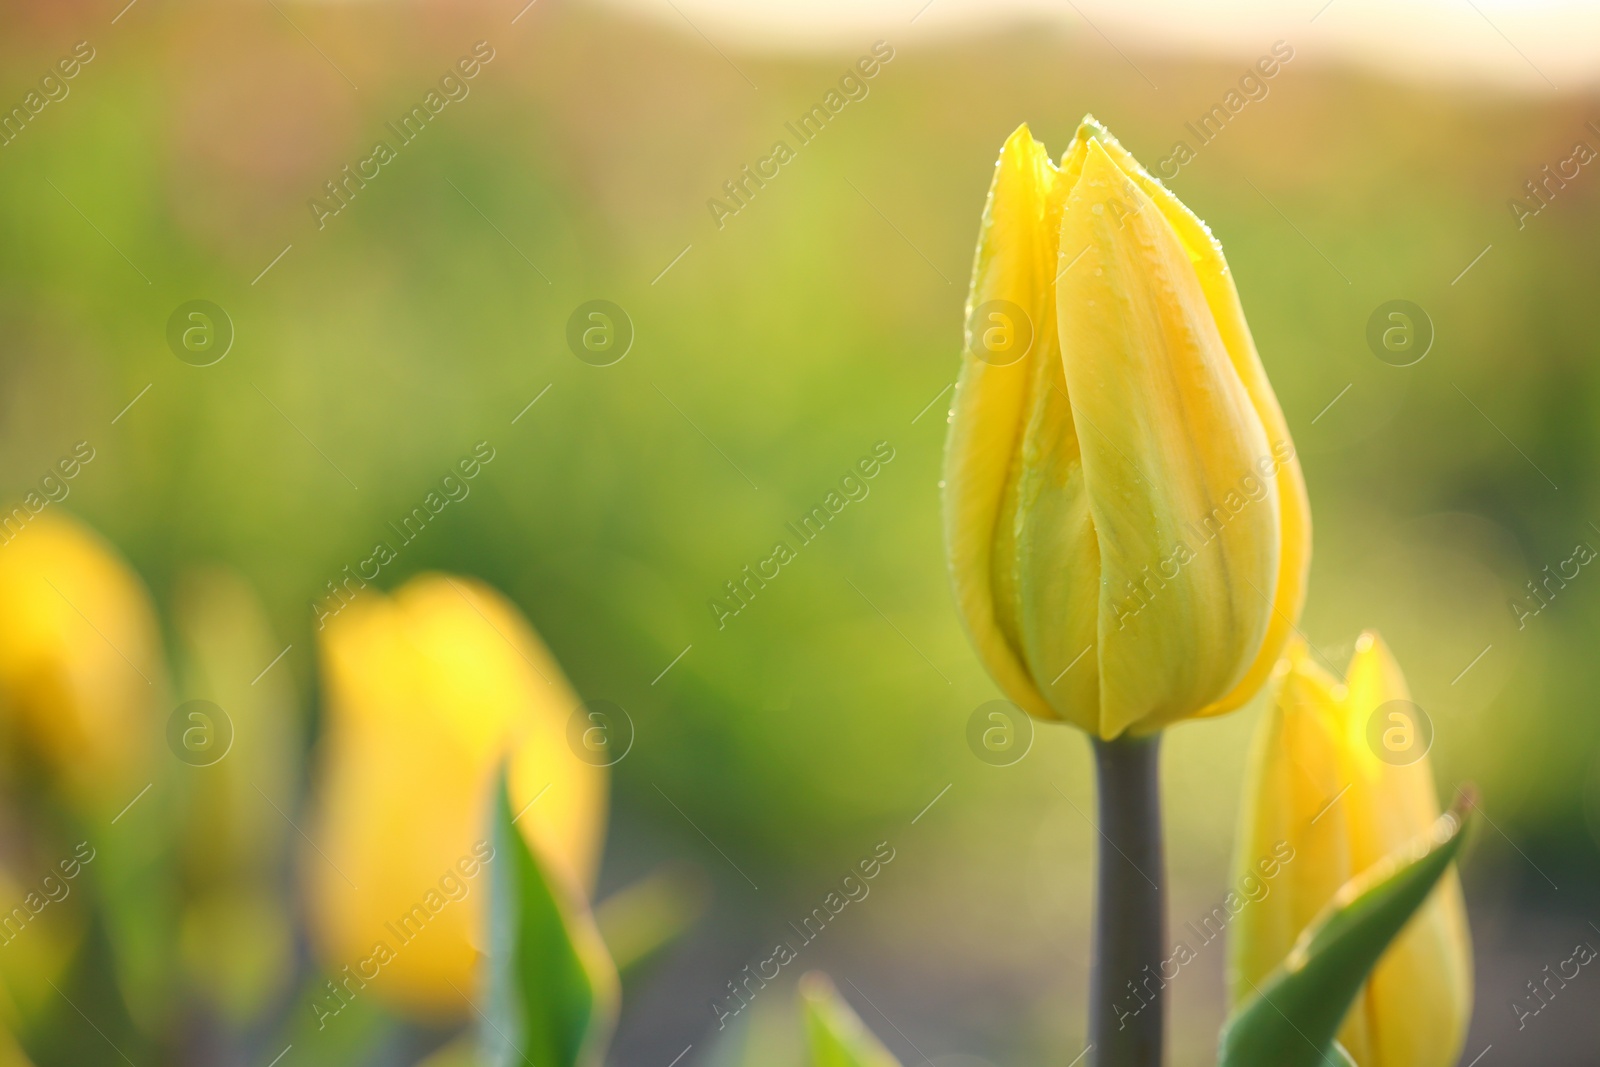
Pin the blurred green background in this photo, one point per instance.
(823, 318)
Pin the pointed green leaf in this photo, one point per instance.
(1293, 1019)
(838, 1036)
(552, 987)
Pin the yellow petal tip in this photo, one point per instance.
(1021, 138)
(1091, 128)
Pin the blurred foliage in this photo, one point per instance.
(779, 349)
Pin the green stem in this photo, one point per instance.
(1127, 1013)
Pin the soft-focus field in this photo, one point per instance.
(817, 323)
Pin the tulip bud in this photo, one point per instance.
(81, 676)
(426, 693)
(1321, 807)
(1118, 475)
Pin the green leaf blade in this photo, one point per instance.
(837, 1035)
(553, 990)
(1296, 1013)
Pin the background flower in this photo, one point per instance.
(81, 673)
(427, 692)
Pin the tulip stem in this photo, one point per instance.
(1127, 1012)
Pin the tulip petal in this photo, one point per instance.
(1293, 823)
(1188, 561)
(1295, 507)
(1047, 559)
(1013, 263)
(1055, 552)
(1428, 970)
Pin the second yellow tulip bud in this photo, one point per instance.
(1340, 777)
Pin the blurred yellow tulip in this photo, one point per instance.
(1318, 783)
(81, 675)
(1118, 475)
(425, 693)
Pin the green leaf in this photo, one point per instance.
(1341, 1058)
(838, 1036)
(552, 987)
(1293, 1019)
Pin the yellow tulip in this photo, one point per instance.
(81, 676)
(426, 692)
(1319, 793)
(1118, 475)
